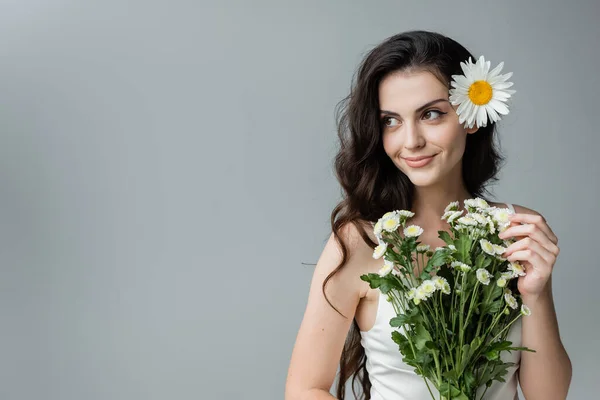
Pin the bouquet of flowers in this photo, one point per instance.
(455, 304)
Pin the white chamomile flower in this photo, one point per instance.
(501, 216)
(499, 249)
(516, 269)
(388, 266)
(481, 220)
(467, 221)
(470, 204)
(507, 275)
(445, 287)
(525, 310)
(510, 300)
(460, 266)
(428, 287)
(379, 251)
(487, 247)
(452, 206)
(483, 276)
(447, 214)
(422, 248)
(390, 222)
(501, 282)
(480, 93)
(438, 281)
(406, 213)
(389, 214)
(377, 229)
(481, 203)
(413, 231)
(420, 293)
(411, 293)
(453, 216)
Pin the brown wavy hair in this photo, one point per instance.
(371, 183)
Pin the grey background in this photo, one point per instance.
(166, 170)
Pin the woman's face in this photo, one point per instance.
(417, 120)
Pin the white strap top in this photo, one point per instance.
(391, 378)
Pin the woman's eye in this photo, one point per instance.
(435, 113)
(387, 119)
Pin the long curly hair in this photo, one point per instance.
(371, 183)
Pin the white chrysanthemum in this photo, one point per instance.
(491, 226)
(420, 293)
(487, 247)
(460, 266)
(406, 213)
(510, 300)
(525, 310)
(445, 287)
(413, 231)
(481, 220)
(453, 216)
(499, 249)
(470, 204)
(483, 276)
(480, 93)
(501, 215)
(501, 281)
(391, 222)
(379, 251)
(377, 229)
(507, 275)
(468, 221)
(411, 293)
(422, 248)
(516, 269)
(452, 206)
(481, 203)
(428, 287)
(447, 214)
(388, 266)
(438, 281)
(389, 214)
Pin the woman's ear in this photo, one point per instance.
(472, 130)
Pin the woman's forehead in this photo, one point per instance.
(407, 91)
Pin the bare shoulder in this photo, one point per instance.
(525, 210)
(336, 282)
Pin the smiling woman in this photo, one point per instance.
(408, 141)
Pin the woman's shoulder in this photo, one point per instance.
(519, 209)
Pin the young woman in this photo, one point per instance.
(404, 147)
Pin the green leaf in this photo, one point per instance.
(463, 245)
(449, 390)
(384, 283)
(421, 337)
(401, 319)
(445, 236)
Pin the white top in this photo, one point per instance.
(391, 378)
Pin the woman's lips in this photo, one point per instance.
(418, 162)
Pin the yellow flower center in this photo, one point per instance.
(480, 92)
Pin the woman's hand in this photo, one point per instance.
(536, 249)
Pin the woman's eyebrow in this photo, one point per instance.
(424, 106)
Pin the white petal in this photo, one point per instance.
(496, 70)
(501, 96)
(481, 117)
(499, 106)
(502, 85)
(492, 113)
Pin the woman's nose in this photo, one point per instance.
(413, 137)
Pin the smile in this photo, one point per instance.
(418, 162)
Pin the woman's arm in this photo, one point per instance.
(322, 334)
(545, 374)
